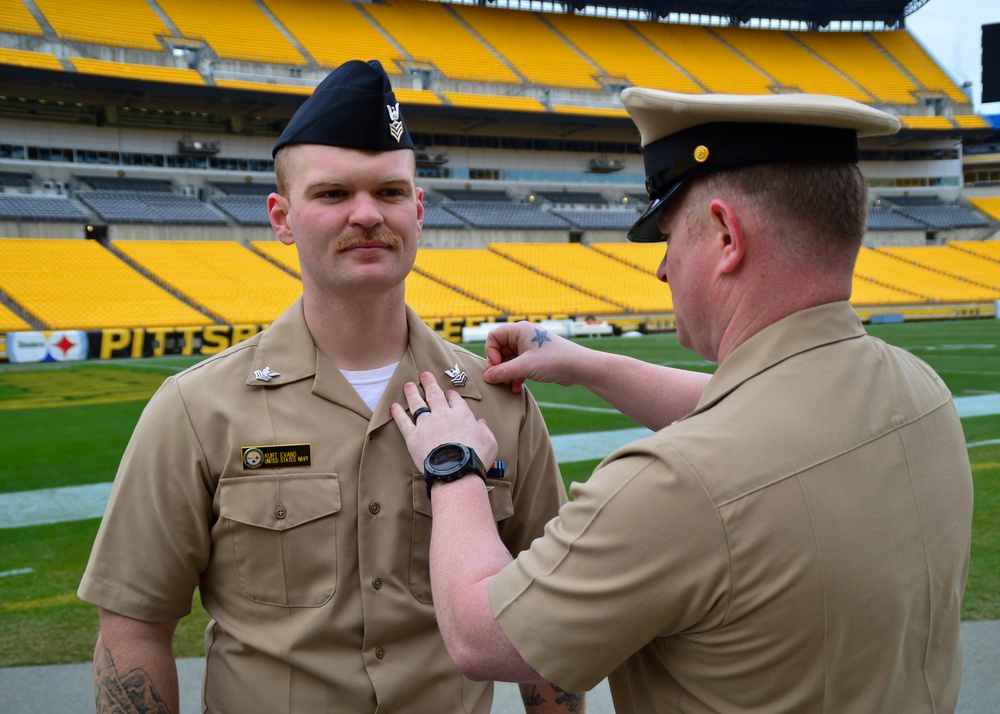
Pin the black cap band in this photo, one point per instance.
(707, 148)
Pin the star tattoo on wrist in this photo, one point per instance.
(541, 337)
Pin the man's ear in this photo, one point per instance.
(277, 213)
(420, 212)
(728, 230)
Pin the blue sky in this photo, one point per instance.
(950, 30)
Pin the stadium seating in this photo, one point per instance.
(433, 35)
(884, 219)
(22, 58)
(431, 300)
(492, 279)
(494, 101)
(244, 188)
(867, 292)
(944, 217)
(931, 286)
(956, 263)
(126, 70)
(644, 256)
(118, 23)
(245, 210)
(224, 278)
(988, 205)
(16, 18)
(123, 184)
(505, 216)
(15, 207)
(593, 273)
(568, 197)
(437, 217)
(235, 30)
(159, 208)
(986, 249)
(312, 23)
(908, 52)
(78, 284)
(277, 252)
(528, 43)
(600, 219)
(792, 66)
(15, 179)
(11, 321)
(474, 195)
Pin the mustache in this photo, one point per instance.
(379, 234)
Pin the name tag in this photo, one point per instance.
(276, 456)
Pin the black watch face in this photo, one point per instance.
(446, 457)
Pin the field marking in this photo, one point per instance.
(77, 503)
(578, 408)
(18, 571)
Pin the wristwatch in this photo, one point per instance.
(450, 462)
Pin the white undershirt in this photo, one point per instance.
(370, 384)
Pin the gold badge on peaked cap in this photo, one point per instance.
(701, 154)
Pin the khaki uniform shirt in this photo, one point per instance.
(313, 563)
(799, 543)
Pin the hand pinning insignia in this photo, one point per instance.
(265, 375)
(458, 377)
(541, 337)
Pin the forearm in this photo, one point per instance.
(134, 667)
(545, 698)
(652, 395)
(466, 552)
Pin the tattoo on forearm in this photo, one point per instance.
(541, 337)
(132, 693)
(572, 702)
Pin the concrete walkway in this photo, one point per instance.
(69, 689)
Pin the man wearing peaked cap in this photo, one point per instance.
(797, 542)
(271, 476)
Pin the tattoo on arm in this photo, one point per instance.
(541, 337)
(132, 693)
(571, 701)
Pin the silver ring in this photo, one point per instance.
(418, 412)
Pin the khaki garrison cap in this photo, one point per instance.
(689, 135)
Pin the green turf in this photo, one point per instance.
(67, 424)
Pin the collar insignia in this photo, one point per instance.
(458, 377)
(265, 375)
(395, 125)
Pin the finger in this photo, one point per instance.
(413, 399)
(402, 418)
(432, 391)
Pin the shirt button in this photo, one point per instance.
(280, 512)
(371, 438)
(374, 507)
(377, 583)
(379, 653)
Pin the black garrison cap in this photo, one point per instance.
(353, 107)
(689, 135)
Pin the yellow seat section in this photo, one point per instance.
(791, 65)
(908, 52)
(119, 23)
(644, 256)
(971, 121)
(989, 249)
(869, 292)
(80, 285)
(235, 29)
(592, 272)
(925, 122)
(416, 96)
(854, 54)
(11, 322)
(430, 299)
(489, 277)
(620, 52)
(15, 17)
(23, 58)
(978, 272)
(137, 71)
(264, 86)
(590, 111)
(431, 34)
(531, 46)
(705, 57)
(882, 266)
(990, 205)
(276, 251)
(223, 277)
(493, 101)
(321, 27)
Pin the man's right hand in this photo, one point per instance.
(519, 351)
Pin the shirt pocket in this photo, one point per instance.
(501, 503)
(284, 536)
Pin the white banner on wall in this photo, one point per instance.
(56, 346)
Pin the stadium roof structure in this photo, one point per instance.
(817, 13)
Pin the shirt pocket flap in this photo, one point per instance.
(279, 502)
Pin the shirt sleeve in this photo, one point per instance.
(639, 553)
(154, 539)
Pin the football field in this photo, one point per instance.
(65, 425)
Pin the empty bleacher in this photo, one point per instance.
(472, 194)
(118, 23)
(223, 277)
(126, 70)
(78, 284)
(437, 217)
(506, 216)
(990, 205)
(866, 291)
(16, 18)
(958, 264)
(568, 197)
(593, 273)
(15, 179)
(245, 210)
(18, 207)
(23, 58)
(493, 279)
(908, 52)
(944, 217)
(600, 219)
(989, 249)
(150, 208)
(125, 184)
(430, 299)
(883, 267)
(284, 255)
(885, 219)
(11, 322)
(245, 188)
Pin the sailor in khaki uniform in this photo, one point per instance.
(800, 541)
(271, 478)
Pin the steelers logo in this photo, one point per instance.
(253, 458)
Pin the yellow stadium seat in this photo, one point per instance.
(119, 23)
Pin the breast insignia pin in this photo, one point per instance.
(265, 375)
(458, 377)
